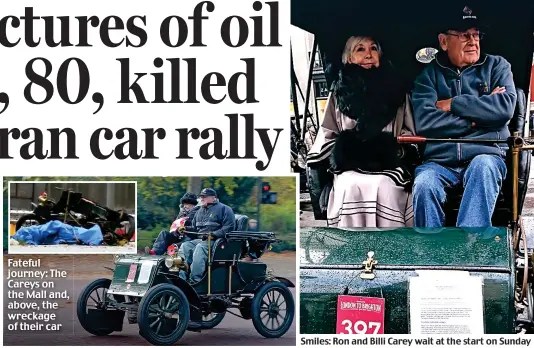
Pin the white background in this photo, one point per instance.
(272, 81)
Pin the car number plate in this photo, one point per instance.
(131, 273)
(360, 315)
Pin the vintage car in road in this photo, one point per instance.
(149, 291)
(382, 274)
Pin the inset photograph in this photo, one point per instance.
(67, 217)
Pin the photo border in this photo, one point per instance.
(52, 251)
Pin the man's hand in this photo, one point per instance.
(498, 90)
(181, 229)
(444, 105)
(495, 91)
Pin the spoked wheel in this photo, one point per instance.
(211, 320)
(94, 296)
(163, 314)
(273, 310)
(28, 220)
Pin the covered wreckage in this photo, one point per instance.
(56, 232)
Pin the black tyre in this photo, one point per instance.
(273, 310)
(28, 219)
(211, 320)
(163, 315)
(94, 295)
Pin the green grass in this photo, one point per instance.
(145, 237)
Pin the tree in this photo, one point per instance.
(232, 191)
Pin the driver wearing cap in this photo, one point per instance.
(213, 217)
(462, 94)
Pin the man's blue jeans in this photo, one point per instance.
(200, 260)
(186, 250)
(482, 180)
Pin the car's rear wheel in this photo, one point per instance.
(94, 296)
(273, 309)
(163, 314)
(211, 320)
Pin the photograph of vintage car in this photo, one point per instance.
(150, 291)
(70, 217)
(215, 262)
(415, 174)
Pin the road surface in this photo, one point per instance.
(233, 331)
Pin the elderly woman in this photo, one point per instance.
(367, 109)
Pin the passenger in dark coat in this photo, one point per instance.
(188, 209)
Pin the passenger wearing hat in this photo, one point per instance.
(462, 94)
(188, 208)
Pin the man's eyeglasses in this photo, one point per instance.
(467, 36)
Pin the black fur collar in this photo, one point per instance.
(369, 96)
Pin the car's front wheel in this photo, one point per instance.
(93, 311)
(163, 314)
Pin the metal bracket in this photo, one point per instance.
(368, 264)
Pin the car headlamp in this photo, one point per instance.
(174, 263)
(116, 258)
(169, 261)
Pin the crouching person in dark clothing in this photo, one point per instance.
(188, 209)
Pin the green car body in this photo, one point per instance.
(332, 260)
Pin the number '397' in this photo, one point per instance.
(360, 327)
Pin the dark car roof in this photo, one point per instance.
(403, 27)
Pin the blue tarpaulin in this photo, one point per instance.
(56, 232)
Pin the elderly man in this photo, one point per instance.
(462, 94)
(213, 217)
